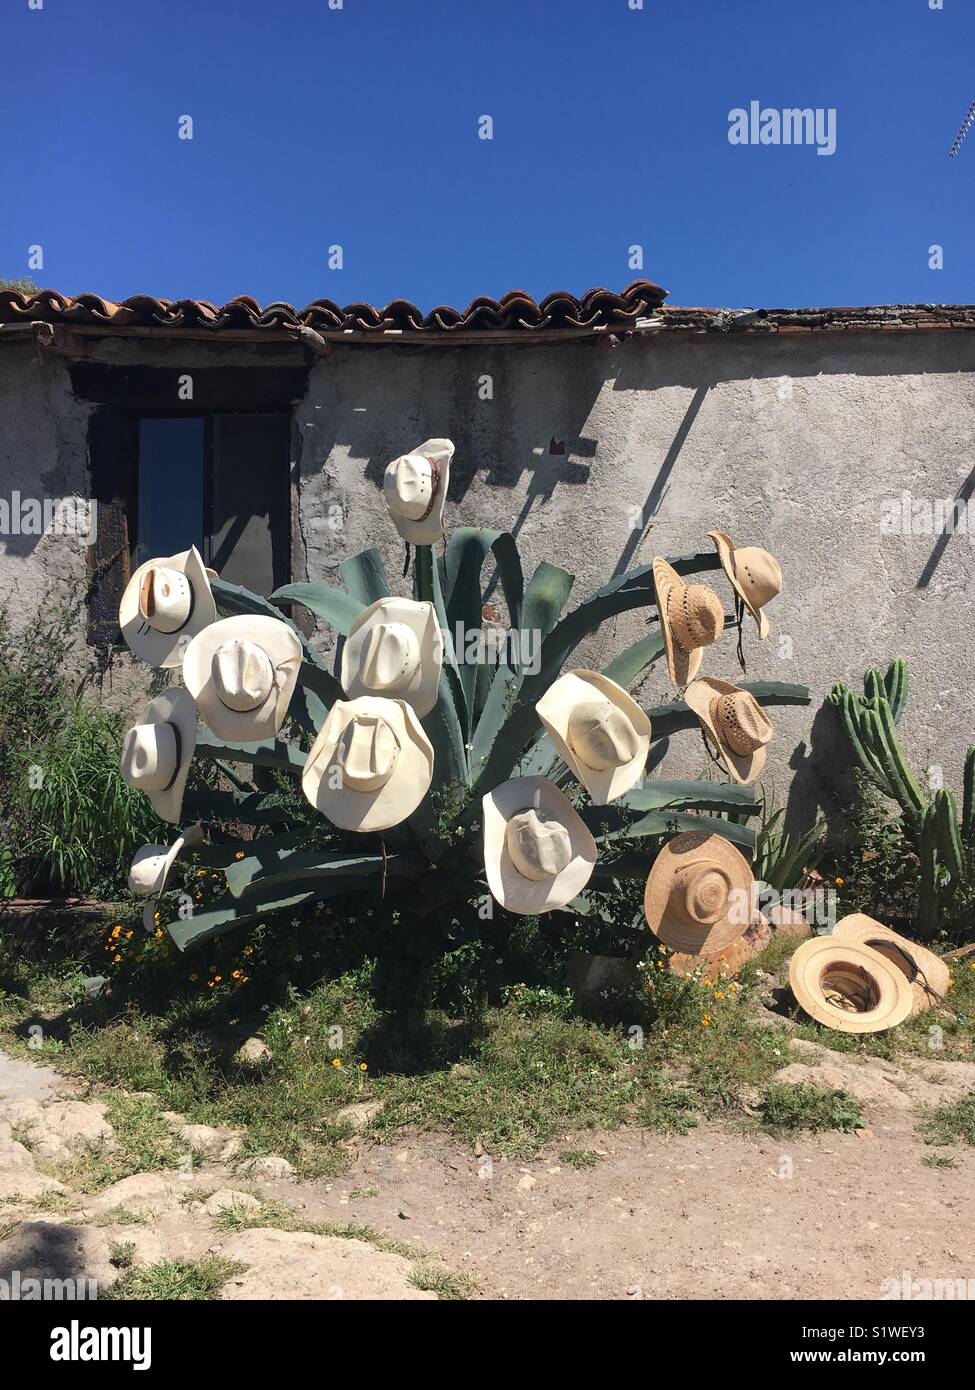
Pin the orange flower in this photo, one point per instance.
(239, 854)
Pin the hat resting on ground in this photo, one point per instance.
(691, 617)
(700, 895)
(415, 488)
(737, 723)
(151, 867)
(599, 730)
(394, 650)
(242, 673)
(158, 749)
(848, 986)
(538, 852)
(165, 604)
(926, 973)
(754, 573)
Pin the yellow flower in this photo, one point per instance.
(116, 959)
(719, 994)
(841, 880)
(209, 984)
(236, 975)
(116, 931)
(336, 1061)
(239, 854)
(201, 873)
(158, 932)
(248, 950)
(363, 1066)
(194, 977)
(218, 978)
(706, 1020)
(128, 936)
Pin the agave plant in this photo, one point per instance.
(483, 729)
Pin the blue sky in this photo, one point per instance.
(358, 127)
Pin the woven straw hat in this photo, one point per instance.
(415, 488)
(925, 972)
(242, 673)
(736, 721)
(700, 895)
(158, 749)
(151, 867)
(599, 730)
(165, 604)
(691, 617)
(755, 574)
(848, 986)
(395, 650)
(538, 852)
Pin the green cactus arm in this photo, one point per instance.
(949, 840)
(896, 685)
(929, 904)
(861, 745)
(902, 773)
(968, 800)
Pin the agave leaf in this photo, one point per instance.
(275, 865)
(466, 552)
(227, 913)
(338, 608)
(676, 822)
(663, 795)
(546, 595)
(253, 808)
(268, 752)
(365, 576)
(627, 668)
(670, 719)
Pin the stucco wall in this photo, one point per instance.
(792, 441)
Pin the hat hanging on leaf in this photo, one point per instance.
(165, 604)
(754, 573)
(700, 896)
(158, 749)
(737, 723)
(242, 673)
(599, 730)
(395, 650)
(538, 852)
(370, 766)
(151, 867)
(415, 488)
(848, 986)
(691, 617)
(926, 973)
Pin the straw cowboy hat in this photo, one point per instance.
(150, 870)
(600, 731)
(415, 487)
(691, 617)
(925, 972)
(727, 961)
(370, 766)
(165, 604)
(538, 853)
(242, 673)
(754, 573)
(158, 750)
(395, 649)
(699, 896)
(737, 723)
(849, 986)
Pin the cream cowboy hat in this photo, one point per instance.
(736, 721)
(370, 766)
(150, 870)
(415, 487)
(849, 986)
(754, 573)
(538, 852)
(700, 895)
(165, 604)
(158, 750)
(242, 673)
(602, 734)
(925, 972)
(395, 649)
(691, 617)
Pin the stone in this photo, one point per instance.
(203, 1139)
(787, 922)
(146, 1192)
(253, 1051)
(60, 1129)
(590, 976)
(526, 1182)
(25, 1184)
(267, 1168)
(298, 1265)
(360, 1114)
(58, 1250)
(228, 1198)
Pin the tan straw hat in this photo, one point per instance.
(700, 895)
(691, 617)
(736, 721)
(242, 673)
(755, 574)
(848, 986)
(538, 852)
(151, 867)
(395, 649)
(599, 730)
(165, 604)
(415, 488)
(926, 973)
(158, 749)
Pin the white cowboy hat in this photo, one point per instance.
(415, 487)
(700, 895)
(600, 731)
(691, 617)
(738, 724)
(242, 673)
(157, 751)
(849, 986)
(370, 766)
(754, 573)
(150, 870)
(925, 972)
(395, 649)
(538, 852)
(165, 604)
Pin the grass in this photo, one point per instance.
(144, 1144)
(951, 1124)
(787, 1109)
(939, 1161)
(580, 1159)
(175, 1280)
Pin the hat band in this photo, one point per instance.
(434, 485)
(179, 755)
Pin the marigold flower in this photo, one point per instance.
(239, 854)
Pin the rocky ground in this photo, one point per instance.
(711, 1214)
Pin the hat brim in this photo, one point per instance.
(683, 850)
(165, 649)
(283, 650)
(820, 953)
(193, 835)
(697, 697)
(430, 529)
(515, 893)
(389, 804)
(173, 706)
(925, 972)
(555, 711)
(423, 690)
(683, 666)
(726, 554)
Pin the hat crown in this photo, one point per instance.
(759, 574)
(242, 674)
(150, 756)
(408, 486)
(147, 868)
(741, 722)
(601, 736)
(390, 656)
(367, 752)
(538, 844)
(165, 598)
(696, 616)
(700, 894)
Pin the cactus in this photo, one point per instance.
(968, 801)
(929, 898)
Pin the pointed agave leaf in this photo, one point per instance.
(676, 822)
(664, 795)
(269, 866)
(227, 913)
(546, 595)
(466, 552)
(253, 808)
(338, 608)
(670, 719)
(365, 576)
(267, 752)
